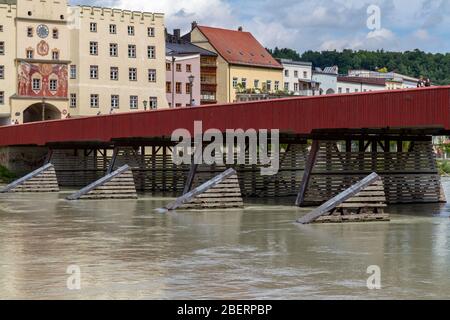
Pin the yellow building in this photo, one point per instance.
(243, 65)
(58, 60)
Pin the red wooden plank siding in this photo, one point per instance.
(427, 108)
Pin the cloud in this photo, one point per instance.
(313, 24)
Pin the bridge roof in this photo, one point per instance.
(425, 109)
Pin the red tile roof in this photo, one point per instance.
(239, 47)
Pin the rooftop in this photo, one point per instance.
(363, 80)
(186, 48)
(239, 47)
(293, 62)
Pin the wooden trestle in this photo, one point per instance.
(314, 173)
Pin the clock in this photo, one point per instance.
(42, 31)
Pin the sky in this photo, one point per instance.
(394, 25)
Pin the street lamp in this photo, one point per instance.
(191, 85)
(145, 105)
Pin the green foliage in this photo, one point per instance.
(6, 176)
(413, 63)
(444, 167)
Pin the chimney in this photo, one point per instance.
(240, 29)
(177, 34)
(194, 25)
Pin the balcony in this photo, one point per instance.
(210, 87)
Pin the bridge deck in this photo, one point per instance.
(427, 109)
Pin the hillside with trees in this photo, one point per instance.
(435, 66)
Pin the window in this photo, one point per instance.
(151, 52)
(168, 87)
(340, 90)
(152, 75)
(55, 34)
(1, 28)
(55, 55)
(168, 67)
(132, 74)
(93, 27)
(296, 87)
(2, 97)
(347, 90)
(112, 29)
(151, 32)
(188, 88)
(286, 86)
(277, 85)
(178, 67)
(30, 54)
(113, 49)
(53, 85)
(131, 30)
(256, 84)
(188, 68)
(73, 100)
(73, 71)
(295, 74)
(286, 73)
(131, 51)
(356, 90)
(93, 48)
(36, 84)
(153, 102)
(235, 82)
(94, 72)
(305, 74)
(244, 83)
(178, 88)
(134, 102)
(94, 103)
(269, 85)
(30, 32)
(114, 73)
(114, 101)
(178, 105)
(2, 47)
(2, 72)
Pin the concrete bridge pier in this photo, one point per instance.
(407, 166)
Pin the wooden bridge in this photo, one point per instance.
(327, 144)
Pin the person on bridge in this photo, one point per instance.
(421, 82)
(428, 82)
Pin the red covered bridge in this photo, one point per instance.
(353, 135)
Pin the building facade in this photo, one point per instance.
(208, 65)
(394, 81)
(182, 77)
(347, 84)
(297, 78)
(244, 66)
(62, 61)
(326, 80)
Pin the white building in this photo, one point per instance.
(393, 80)
(326, 80)
(347, 84)
(297, 77)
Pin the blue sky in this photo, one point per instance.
(312, 24)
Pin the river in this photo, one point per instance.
(126, 250)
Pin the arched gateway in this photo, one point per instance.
(41, 112)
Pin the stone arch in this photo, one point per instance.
(41, 112)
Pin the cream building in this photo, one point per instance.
(58, 60)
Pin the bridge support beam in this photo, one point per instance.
(408, 169)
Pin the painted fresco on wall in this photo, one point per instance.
(44, 72)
